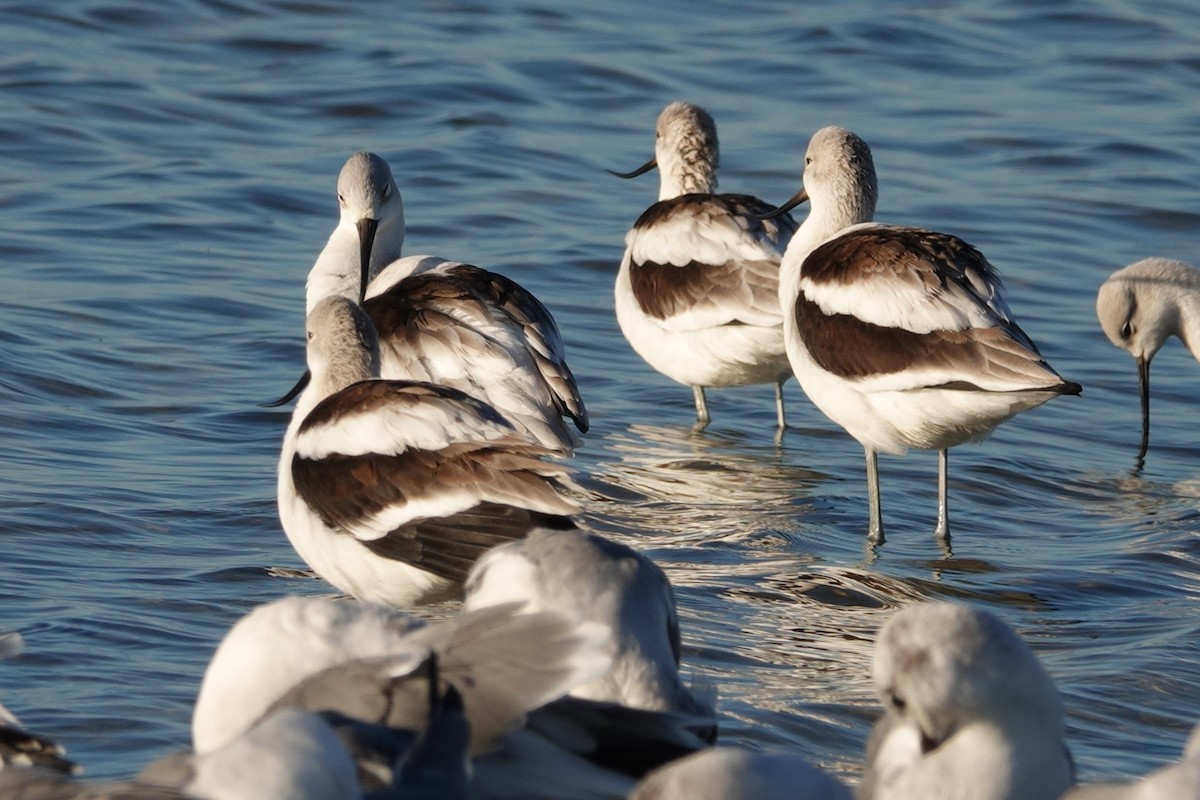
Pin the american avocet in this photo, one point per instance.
(697, 291)
(286, 654)
(510, 667)
(390, 490)
(900, 335)
(970, 713)
(1173, 781)
(590, 578)
(1144, 304)
(735, 773)
(445, 322)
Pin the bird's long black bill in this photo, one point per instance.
(292, 393)
(642, 170)
(366, 240)
(795, 200)
(1144, 383)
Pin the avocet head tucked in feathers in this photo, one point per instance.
(970, 714)
(697, 290)
(391, 489)
(442, 321)
(590, 578)
(1144, 304)
(900, 335)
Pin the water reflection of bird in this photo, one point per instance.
(697, 292)
(900, 335)
(1144, 304)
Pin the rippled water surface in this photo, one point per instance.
(166, 178)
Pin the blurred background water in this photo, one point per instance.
(167, 175)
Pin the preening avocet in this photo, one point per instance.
(510, 667)
(391, 489)
(1144, 304)
(900, 335)
(969, 712)
(443, 321)
(593, 579)
(697, 291)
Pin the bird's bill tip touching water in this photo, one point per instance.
(292, 393)
(1143, 364)
(793, 201)
(366, 240)
(642, 170)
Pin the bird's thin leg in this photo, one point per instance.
(943, 524)
(780, 417)
(875, 528)
(701, 406)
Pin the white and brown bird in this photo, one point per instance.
(697, 290)
(900, 335)
(1144, 304)
(442, 321)
(390, 490)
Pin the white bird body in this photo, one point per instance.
(696, 292)
(593, 579)
(734, 773)
(291, 755)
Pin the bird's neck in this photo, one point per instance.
(336, 271)
(824, 220)
(681, 177)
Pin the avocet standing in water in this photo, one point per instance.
(390, 490)
(445, 322)
(697, 292)
(1144, 304)
(900, 335)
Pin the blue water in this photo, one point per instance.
(167, 175)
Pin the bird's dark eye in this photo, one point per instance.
(310, 335)
(897, 702)
(1127, 330)
(387, 192)
(807, 160)
(341, 198)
